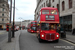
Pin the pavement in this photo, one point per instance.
(70, 37)
(13, 45)
(22, 42)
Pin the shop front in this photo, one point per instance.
(66, 22)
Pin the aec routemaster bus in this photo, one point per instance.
(32, 27)
(28, 27)
(48, 20)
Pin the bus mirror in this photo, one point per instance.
(38, 24)
(59, 25)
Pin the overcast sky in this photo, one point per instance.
(25, 9)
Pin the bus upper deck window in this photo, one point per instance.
(54, 12)
(45, 11)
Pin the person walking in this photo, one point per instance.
(73, 31)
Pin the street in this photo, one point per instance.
(28, 41)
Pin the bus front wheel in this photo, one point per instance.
(57, 40)
(40, 40)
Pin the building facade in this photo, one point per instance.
(23, 23)
(26, 22)
(66, 9)
(4, 13)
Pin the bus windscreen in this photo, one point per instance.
(45, 11)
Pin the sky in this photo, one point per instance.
(25, 9)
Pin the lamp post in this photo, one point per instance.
(59, 8)
(13, 20)
(21, 21)
(9, 34)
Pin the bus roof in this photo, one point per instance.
(49, 8)
(34, 21)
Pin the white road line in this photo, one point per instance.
(67, 42)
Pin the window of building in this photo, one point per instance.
(3, 9)
(58, 7)
(53, 6)
(2, 14)
(7, 18)
(70, 4)
(44, 4)
(53, 0)
(63, 6)
(2, 4)
(2, 19)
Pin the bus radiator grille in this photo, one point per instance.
(50, 37)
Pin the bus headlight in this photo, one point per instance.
(57, 35)
(42, 35)
(31, 31)
(47, 17)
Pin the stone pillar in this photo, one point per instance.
(73, 15)
(73, 20)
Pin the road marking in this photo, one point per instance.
(68, 42)
(33, 34)
(1, 33)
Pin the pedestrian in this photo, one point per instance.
(58, 29)
(73, 31)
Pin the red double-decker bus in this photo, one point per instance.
(32, 27)
(28, 27)
(48, 20)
